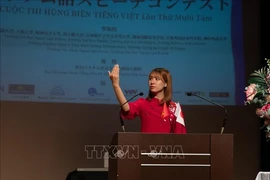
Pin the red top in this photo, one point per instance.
(150, 112)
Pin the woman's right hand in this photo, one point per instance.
(114, 75)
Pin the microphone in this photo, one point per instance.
(121, 119)
(225, 117)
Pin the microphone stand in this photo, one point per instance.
(121, 119)
(225, 117)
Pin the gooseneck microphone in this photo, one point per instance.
(121, 119)
(225, 117)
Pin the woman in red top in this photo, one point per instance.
(158, 113)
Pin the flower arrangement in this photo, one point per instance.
(258, 93)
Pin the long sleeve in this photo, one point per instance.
(134, 109)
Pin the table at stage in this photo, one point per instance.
(88, 174)
(263, 176)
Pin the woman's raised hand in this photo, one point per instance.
(114, 75)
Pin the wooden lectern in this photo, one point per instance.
(139, 156)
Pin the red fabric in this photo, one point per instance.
(150, 113)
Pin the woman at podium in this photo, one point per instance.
(158, 113)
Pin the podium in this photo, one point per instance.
(143, 156)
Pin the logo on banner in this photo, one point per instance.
(219, 94)
(57, 91)
(130, 92)
(199, 93)
(21, 89)
(93, 92)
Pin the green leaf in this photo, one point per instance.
(258, 78)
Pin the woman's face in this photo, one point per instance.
(156, 83)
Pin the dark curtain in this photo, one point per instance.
(265, 53)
